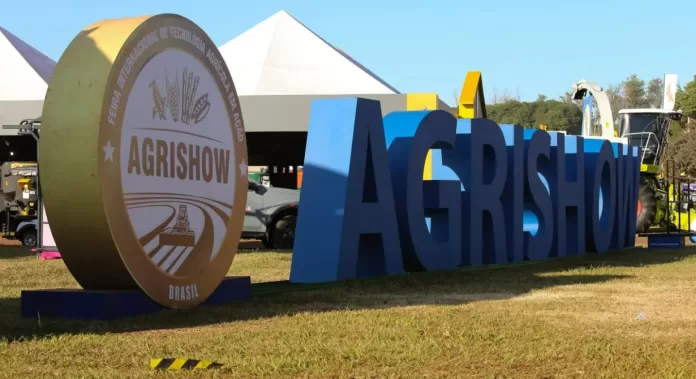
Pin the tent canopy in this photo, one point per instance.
(281, 56)
(24, 76)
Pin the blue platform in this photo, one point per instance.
(110, 305)
(665, 241)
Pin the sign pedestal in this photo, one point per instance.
(77, 304)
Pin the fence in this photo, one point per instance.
(675, 195)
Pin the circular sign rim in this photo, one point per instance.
(148, 276)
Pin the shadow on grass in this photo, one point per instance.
(430, 288)
(13, 252)
(254, 246)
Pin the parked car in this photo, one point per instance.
(271, 215)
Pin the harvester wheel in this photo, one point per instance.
(646, 209)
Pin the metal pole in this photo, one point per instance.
(39, 202)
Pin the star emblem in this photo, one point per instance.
(243, 169)
(108, 151)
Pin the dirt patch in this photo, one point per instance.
(642, 241)
(6, 242)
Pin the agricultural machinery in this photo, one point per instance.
(665, 199)
(20, 201)
(19, 213)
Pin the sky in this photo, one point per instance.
(522, 47)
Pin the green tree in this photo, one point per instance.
(686, 99)
(682, 142)
(616, 98)
(686, 102)
(654, 92)
(634, 92)
(682, 151)
(567, 97)
(512, 112)
(557, 115)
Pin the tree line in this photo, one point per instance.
(565, 114)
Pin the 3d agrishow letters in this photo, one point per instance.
(499, 193)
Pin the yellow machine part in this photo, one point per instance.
(24, 182)
(683, 219)
(23, 164)
(471, 104)
(420, 102)
(472, 91)
(670, 194)
(680, 218)
(649, 168)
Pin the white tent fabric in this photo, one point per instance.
(24, 76)
(24, 71)
(281, 56)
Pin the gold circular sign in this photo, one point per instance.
(143, 159)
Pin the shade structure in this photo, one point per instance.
(24, 76)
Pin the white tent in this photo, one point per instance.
(281, 56)
(24, 76)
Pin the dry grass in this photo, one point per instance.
(568, 318)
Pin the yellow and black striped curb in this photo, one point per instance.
(181, 364)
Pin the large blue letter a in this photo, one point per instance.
(346, 225)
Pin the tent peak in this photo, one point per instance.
(282, 56)
(38, 61)
(282, 12)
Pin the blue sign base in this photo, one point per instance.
(78, 304)
(665, 242)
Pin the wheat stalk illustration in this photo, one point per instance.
(184, 95)
(192, 95)
(173, 96)
(192, 110)
(187, 93)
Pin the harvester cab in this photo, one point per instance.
(660, 198)
(647, 129)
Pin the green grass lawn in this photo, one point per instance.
(573, 317)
